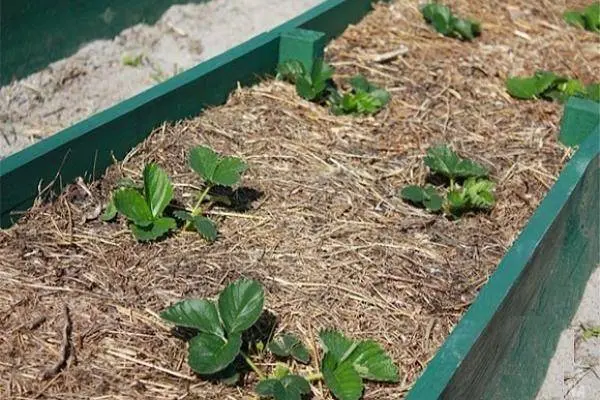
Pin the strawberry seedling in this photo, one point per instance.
(365, 98)
(588, 19)
(549, 86)
(449, 25)
(475, 192)
(310, 85)
(219, 344)
(214, 170)
(144, 208)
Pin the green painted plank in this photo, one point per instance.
(302, 45)
(502, 346)
(578, 120)
(86, 148)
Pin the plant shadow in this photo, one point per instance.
(238, 200)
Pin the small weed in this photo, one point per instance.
(588, 19)
(220, 324)
(449, 25)
(475, 192)
(591, 332)
(549, 86)
(133, 61)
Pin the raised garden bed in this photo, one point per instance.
(322, 228)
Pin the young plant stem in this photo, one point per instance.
(451, 184)
(249, 361)
(317, 376)
(197, 210)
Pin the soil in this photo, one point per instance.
(322, 228)
(97, 77)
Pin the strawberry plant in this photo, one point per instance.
(588, 19)
(144, 207)
(310, 85)
(468, 186)
(219, 344)
(449, 25)
(549, 86)
(145, 204)
(214, 170)
(365, 98)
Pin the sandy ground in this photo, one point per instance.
(97, 77)
(574, 373)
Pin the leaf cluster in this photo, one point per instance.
(588, 18)
(475, 192)
(448, 24)
(317, 86)
(550, 86)
(145, 205)
(364, 98)
(221, 323)
(311, 85)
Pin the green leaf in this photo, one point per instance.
(592, 17)
(439, 16)
(206, 227)
(321, 73)
(287, 345)
(183, 215)
(271, 388)
(359, 82)
(371, 362)
(341, 379)
(156, 229)
(336, 344)
(208, 354)
(157, 189)
(110, 212)
(465, 29)
(443, 160)
(228, 171)
(290, 70)
(240, 305)
(413, 193)
(467, 168)
(304, 88)
(457, 201)
(290, 387)
(530, 87)
(574, 18)
(381, 95)
(132, 204)
(366, 104)
(201, 314)
(204, 161)
(479, 192)
(432, 201)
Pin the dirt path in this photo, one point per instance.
(104, 72)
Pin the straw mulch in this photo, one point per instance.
(325, 233)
